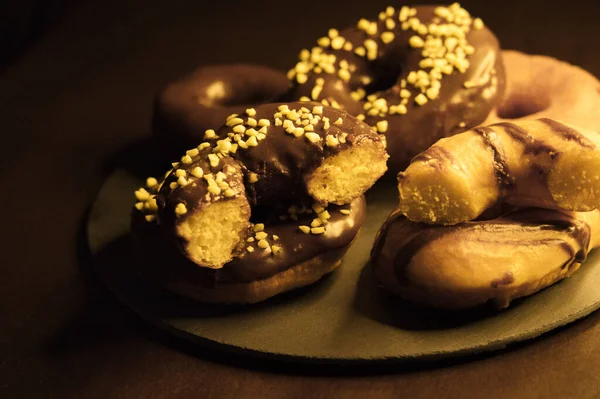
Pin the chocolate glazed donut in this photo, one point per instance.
(202, 100)
(221, 226)
(417, 74)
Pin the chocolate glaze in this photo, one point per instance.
(204, 98)
(164, 263)
(457, 108)
(284, 162)
(400, 240)
(568, 133)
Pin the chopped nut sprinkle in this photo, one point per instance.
(252, 177)
(209, 134)
(345, 211)
(263, 244)
(304, 229)
(259, 227)
(261, 235)
(142, 195)
(250, 249)
(317, 230)
(312, 137)
(233, 122)
(382, 126)
(151, 182)
(180, 209)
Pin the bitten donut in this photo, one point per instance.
(256, 208)
(202, 100)
(540, 163)
(469, 264)
(275, 257)
(539, 86)
(292, 149)
(416, 74)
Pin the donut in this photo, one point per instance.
(292, 260)
(487, 261)
(539, 86)
(538, 163)
(201, 100)
(303, 148)
(416, 74)
(268, 202)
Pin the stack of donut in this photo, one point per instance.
(492, 214)
(271, 200)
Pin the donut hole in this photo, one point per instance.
(214, 232)
(384, 78)
(521, 105)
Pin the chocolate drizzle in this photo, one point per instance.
(532, 146)
(568, 133)
(501, 169)
(400, 240)
(438, 153)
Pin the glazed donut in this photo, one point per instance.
(416, 74)
(202, 100)
(468, 264)
(543, 87)
(291, 260)
(538, 163)
(200, 213)
(303, 148)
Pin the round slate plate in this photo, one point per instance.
(342, 319)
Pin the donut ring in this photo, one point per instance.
(199, 215)
(417, 74)
(496, 260)
(539, 163)
(538, 86)
(202, 100)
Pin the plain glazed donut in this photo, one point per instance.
(543, 87)
(416, 74)
(537, 163)
(202, 100)
(228, 204)
(468, 264)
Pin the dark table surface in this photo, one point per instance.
(83, 93)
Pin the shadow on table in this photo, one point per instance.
(383, 307)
